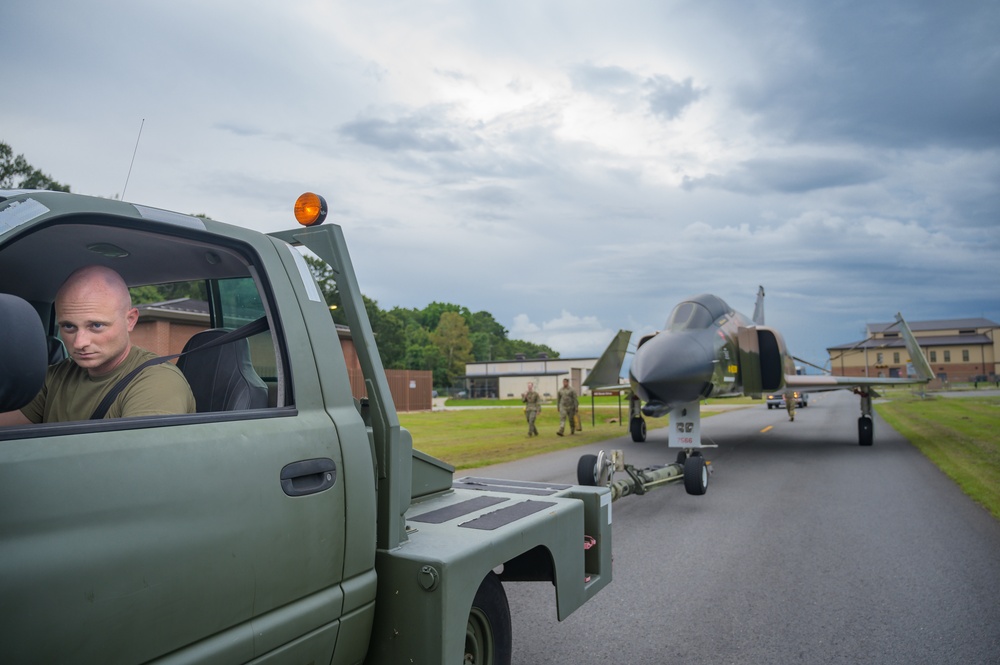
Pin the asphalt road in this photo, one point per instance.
(807, 548)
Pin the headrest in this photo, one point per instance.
(23, 354)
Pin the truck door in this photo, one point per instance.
(218, 535)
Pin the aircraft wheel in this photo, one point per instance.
(586, 470)
(682, 457)
(866, 431)
(638, 429)
(695, 475)
(488, 632)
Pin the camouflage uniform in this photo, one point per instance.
(568, 405)
(532, 405)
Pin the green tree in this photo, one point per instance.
(452, 340)
(17, 173)
(431, 315)
(389, 335)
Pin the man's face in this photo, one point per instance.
(95, 325)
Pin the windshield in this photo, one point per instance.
(689, 316)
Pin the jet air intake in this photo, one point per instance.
(762, 353)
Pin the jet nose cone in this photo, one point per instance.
(672, 368)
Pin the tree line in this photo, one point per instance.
(441, 337)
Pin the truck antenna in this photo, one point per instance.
(135, 150)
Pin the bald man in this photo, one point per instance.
(95, 316)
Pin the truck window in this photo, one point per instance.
(184, 279)
(239, 304)
(171, 314)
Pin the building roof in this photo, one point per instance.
(496, 375)
(925, 340)
(938, 324)
(178, 309)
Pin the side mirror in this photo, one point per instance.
(23, 355)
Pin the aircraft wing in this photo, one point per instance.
(807, 383)
(606, 374)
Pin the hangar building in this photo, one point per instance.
(958, 350)
(509, 378)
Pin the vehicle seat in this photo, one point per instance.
(57, 352)
(222, 377)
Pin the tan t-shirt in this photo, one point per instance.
(70, 393)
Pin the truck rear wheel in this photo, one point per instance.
(488, 633)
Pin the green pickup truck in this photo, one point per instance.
(296, 526)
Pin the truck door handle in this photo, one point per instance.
(308, 476)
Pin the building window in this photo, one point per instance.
(895, 357)
(933, 356)
(878, 358)
(947, 356)
(965, 355)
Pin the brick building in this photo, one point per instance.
(958, 350)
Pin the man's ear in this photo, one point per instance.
(132, 318)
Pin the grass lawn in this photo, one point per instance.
(960, 435)
(472, 438)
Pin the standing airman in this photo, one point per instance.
(532, 405)
(568, 405)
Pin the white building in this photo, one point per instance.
(503, 379)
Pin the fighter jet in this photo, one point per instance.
(708, 349)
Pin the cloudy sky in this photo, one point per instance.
(573, 167)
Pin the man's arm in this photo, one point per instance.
(11, 418)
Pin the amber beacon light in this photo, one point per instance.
(310, 209)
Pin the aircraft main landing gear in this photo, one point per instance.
(866, 432)
(866, 429)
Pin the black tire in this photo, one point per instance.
(586, 470)
(682, 457)
(488, 632)
(866, 431)
(638, 429)
(695, 475)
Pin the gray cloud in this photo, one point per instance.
(669, 98)
(796, 175)
(895, 73)
(661, 94)
(419, 133)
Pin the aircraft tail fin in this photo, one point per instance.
(758, 310)
(607, 369)
(917, 357)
